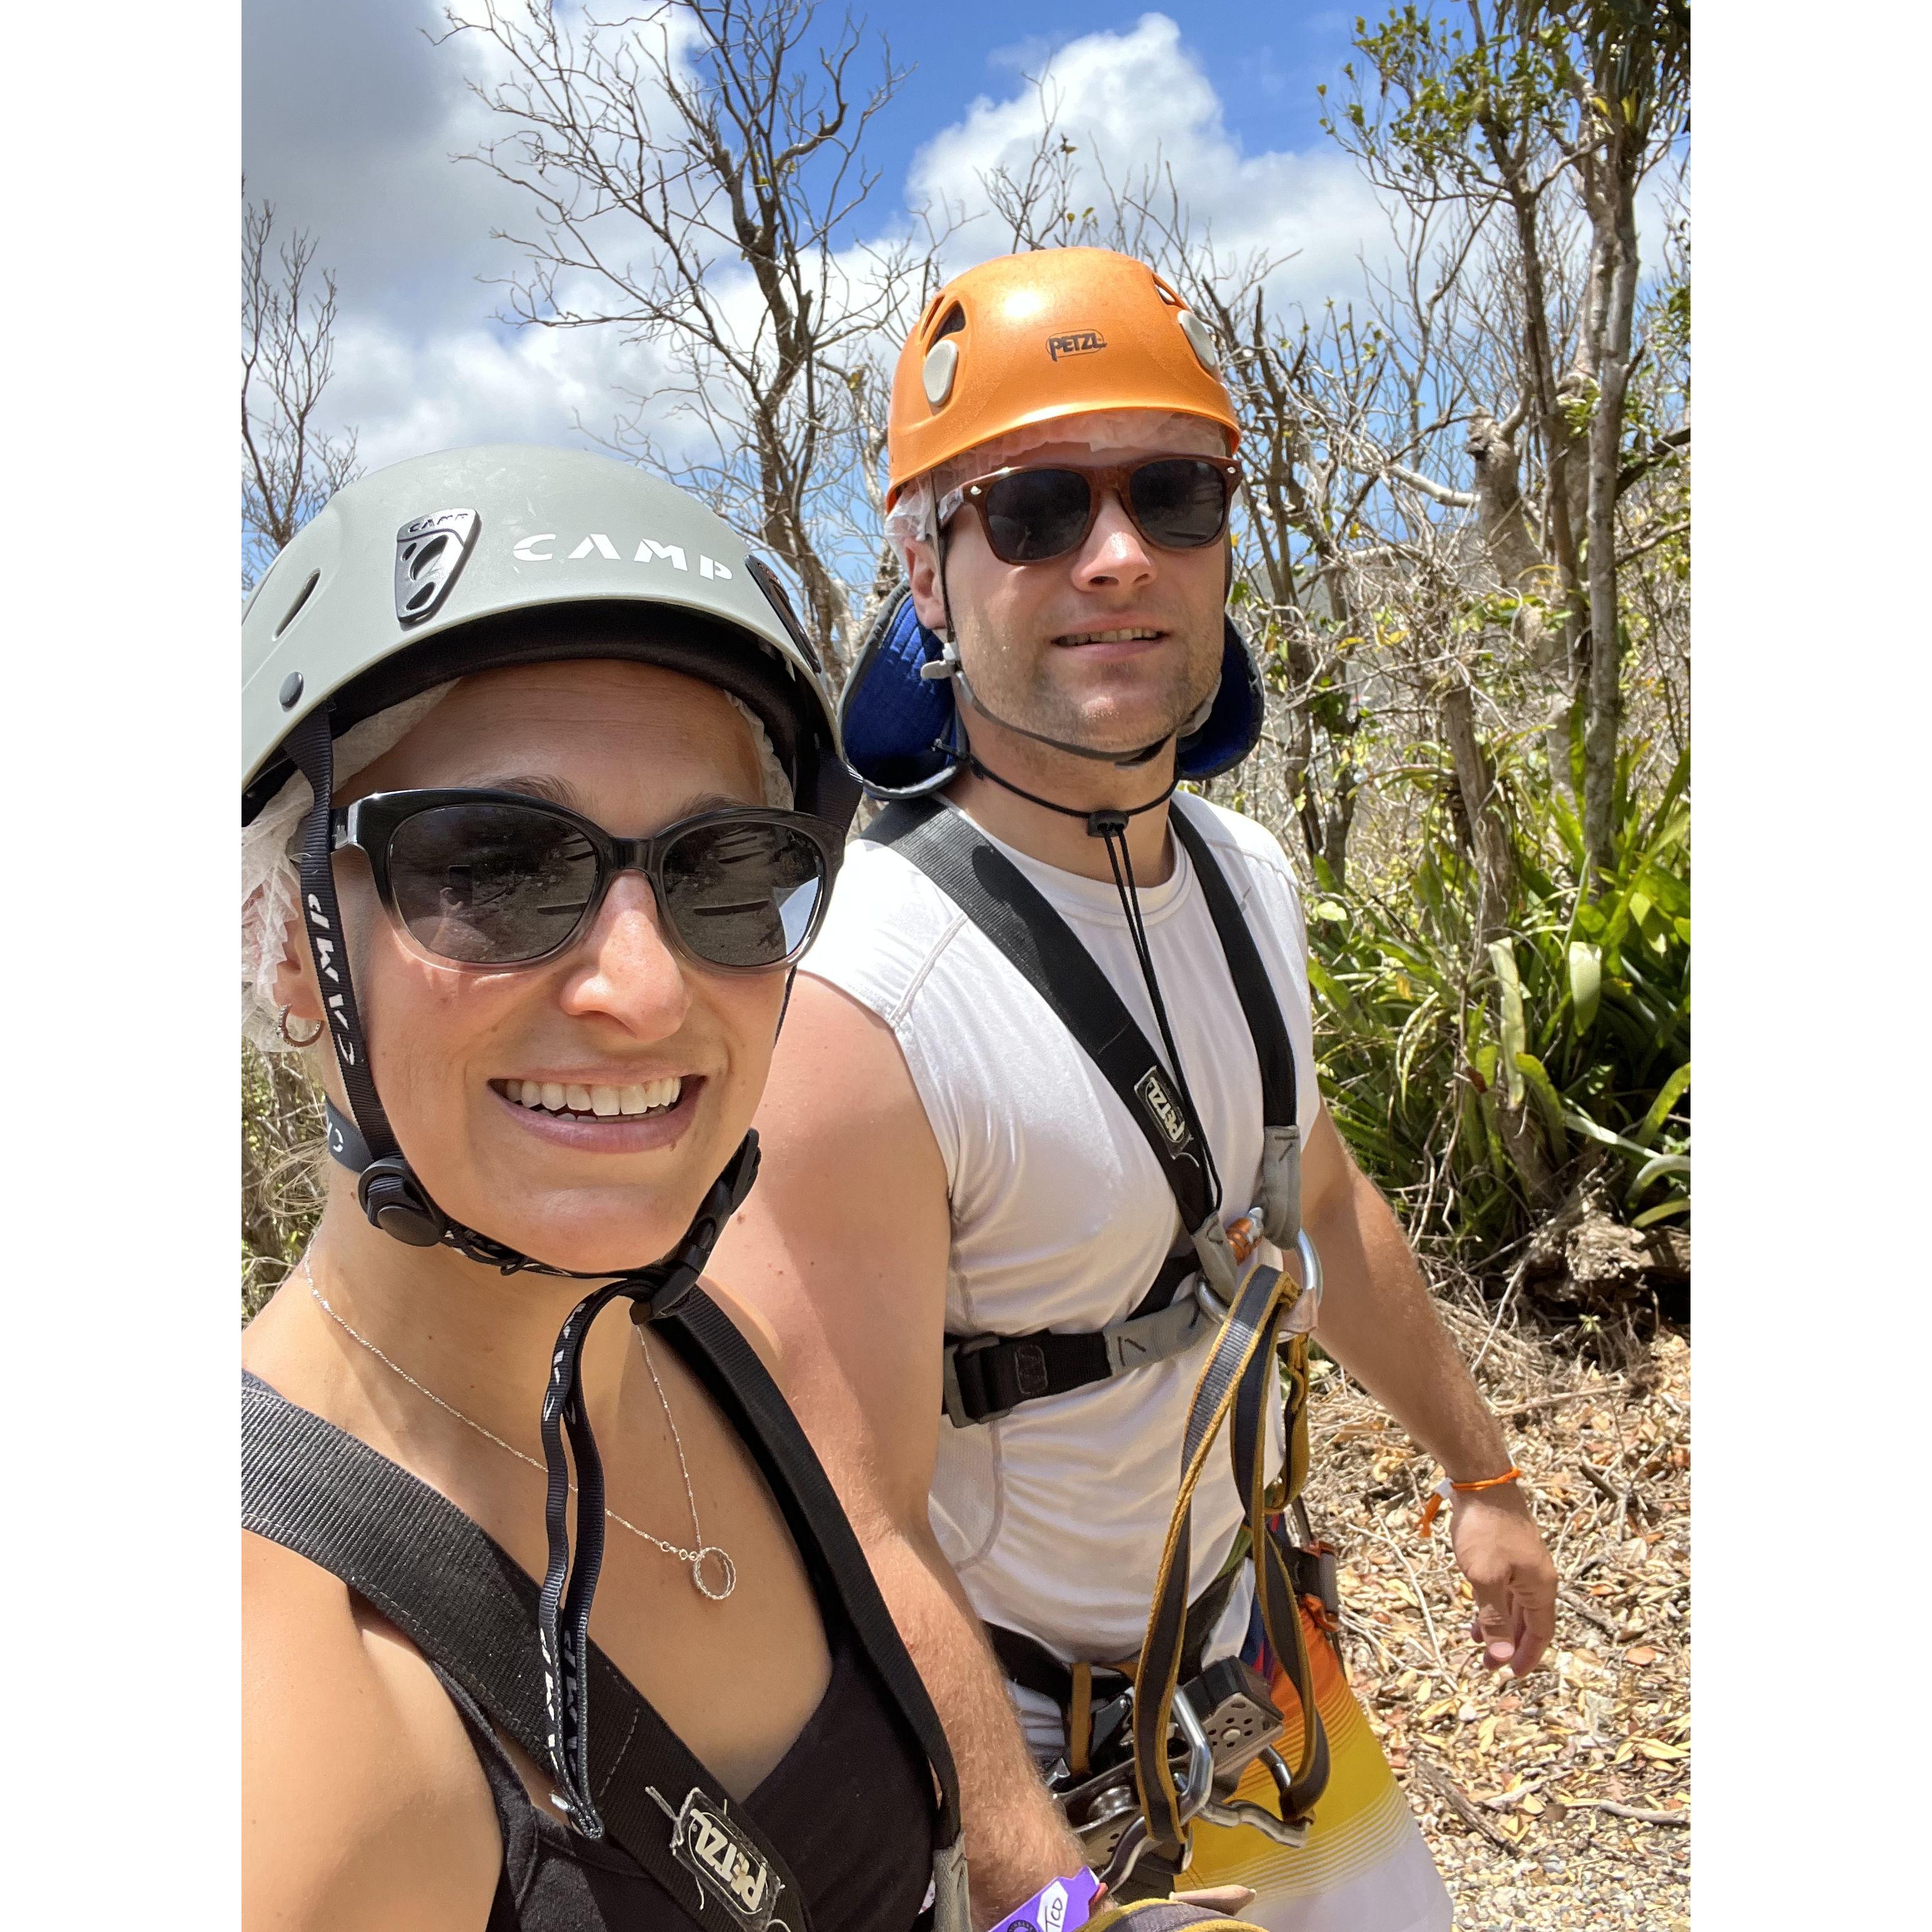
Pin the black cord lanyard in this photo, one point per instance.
(1109, 825)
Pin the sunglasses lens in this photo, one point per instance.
(744, 893)
(490, 885)
(1180, 502)
(1036, 514)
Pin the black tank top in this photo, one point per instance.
(848, 1814)
(849, 1804)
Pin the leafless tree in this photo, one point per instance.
(289, 466)
(692, 169)
(1534, 116)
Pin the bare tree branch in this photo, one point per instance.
(289, 468)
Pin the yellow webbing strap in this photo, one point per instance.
(1080, 1719)
(1249, 1330)
(1274, 1585)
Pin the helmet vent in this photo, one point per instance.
(956, 320)
(301, 597)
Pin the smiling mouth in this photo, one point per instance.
(570, 1101)
(1136, 634)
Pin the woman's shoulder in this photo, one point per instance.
(364, 1802)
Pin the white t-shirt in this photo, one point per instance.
(1054, 1516)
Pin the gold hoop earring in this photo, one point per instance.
(321, 1027)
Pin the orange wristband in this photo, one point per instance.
(1444, 1489)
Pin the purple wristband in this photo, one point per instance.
(1058, 1906)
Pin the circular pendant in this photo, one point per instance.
(711, 1565)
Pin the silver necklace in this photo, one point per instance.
(707, 1562)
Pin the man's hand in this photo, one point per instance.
(1378, 1322)
(1500, 1549)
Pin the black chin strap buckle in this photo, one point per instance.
(663, 1289)
(1107, 824)
(396, 1202)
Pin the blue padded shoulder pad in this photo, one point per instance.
(901, 733)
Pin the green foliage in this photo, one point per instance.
(281, 1166)
(1454, 1068)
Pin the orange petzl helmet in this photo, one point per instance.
(1025, 338)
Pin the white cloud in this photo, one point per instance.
(1125, 99)
(354, 119)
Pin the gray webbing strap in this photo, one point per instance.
(1136, 1342)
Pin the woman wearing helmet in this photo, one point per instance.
(542, 803)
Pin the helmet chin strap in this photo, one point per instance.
(396, 1201)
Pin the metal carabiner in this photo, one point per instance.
(1197, 1783)
(1238, 1811)
(1295, 1322)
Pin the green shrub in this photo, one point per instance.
(1457, 1070)
(281, 1172)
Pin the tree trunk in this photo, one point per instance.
(1615, 209)
(1482, 806)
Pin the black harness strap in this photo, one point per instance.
(718, 1353)
(999, 899)
(465, 1603)
(994, 1374)
(1029, 1663)
(470, 1608)
(1252, 987)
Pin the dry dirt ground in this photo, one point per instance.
(1561, 1800)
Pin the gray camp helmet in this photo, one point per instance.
(516, 553)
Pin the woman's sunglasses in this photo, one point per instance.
(1032, 516)
(494, 878)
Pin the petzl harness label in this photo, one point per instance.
(1163, 1106)
(724, 1862)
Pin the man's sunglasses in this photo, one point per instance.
(494, 878)
(1032, 516)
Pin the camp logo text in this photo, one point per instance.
(1076, 342)
(541, 548)
(429, 552)
(1159, 1099)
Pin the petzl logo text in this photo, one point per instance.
(1076, 342)
(728, 1865)
(1158, 1098)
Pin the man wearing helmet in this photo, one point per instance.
(1059, 1022)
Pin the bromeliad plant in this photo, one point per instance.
(1476, 1076)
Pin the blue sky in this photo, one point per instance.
(1263, 63)
(352, 116)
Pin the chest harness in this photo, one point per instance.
(471, 1612)
(1155, 1742)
